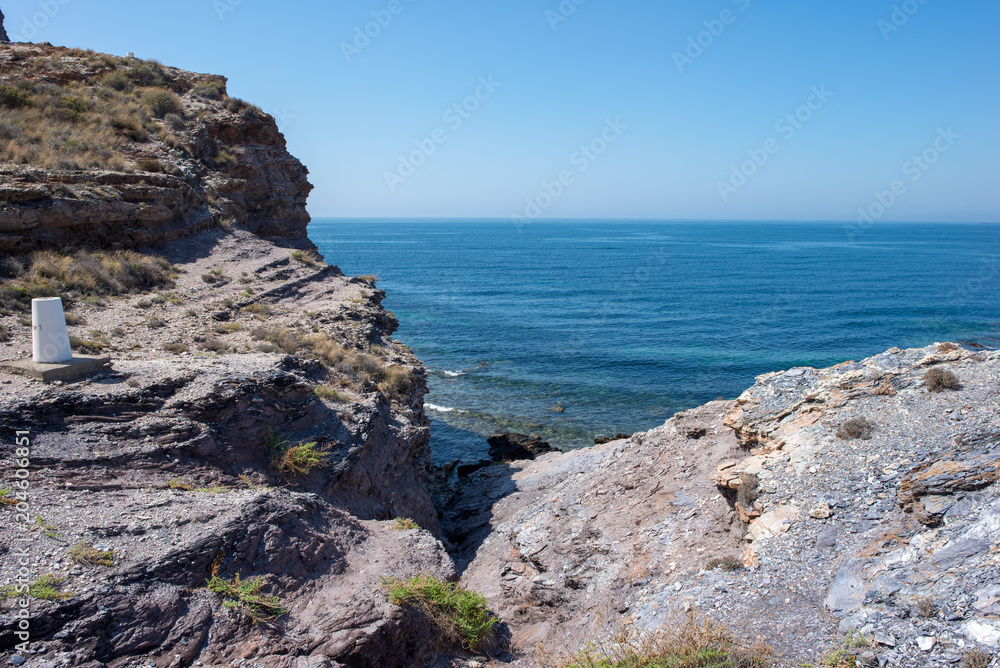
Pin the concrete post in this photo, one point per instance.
(50, 339)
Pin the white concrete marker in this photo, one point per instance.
(50, 340)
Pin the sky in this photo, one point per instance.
(868, 110)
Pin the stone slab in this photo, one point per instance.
(79, 366)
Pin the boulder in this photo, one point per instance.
(508, 447)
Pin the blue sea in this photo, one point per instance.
(569, 330)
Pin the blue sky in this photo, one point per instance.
(673, 129)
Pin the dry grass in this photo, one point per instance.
(80, 273)
(926, 608)
(695, 642)
(354, 368)
(856, 428)
(939, 380)
(86, 553)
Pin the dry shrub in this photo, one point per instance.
(727, 563)
(162, 102)
(856, 428)
(926, 608)
(747, 492)
(695, 642)
(975, 658)
(938, 380)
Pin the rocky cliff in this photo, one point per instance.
(115, 152)
(852, 509)
(3, 31)
(257, 426)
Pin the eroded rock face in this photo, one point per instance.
(220, 164)
(3, 31)
(168, 461)
(838, 534)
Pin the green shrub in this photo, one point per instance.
(245, 598)
(856, 428)
(327, 392)
(404, 524)
(459, 615)
(300, 459)
(938, 380)
(117, 81)
(12, 97)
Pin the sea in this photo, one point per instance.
(573, 329)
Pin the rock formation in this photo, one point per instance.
(3, 31)
(184, 156)
(894, 539)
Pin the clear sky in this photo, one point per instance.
(682, 106)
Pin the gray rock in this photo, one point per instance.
(3, 31)
(847, 593)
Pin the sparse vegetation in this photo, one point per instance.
(5, 498)
(856, 428)
(327, 392)
(176, 348)
(371, 279)
(214, 345)
(459, 615)
(85, 553)
(244, 596)
(404, 523)
(727, 563)
(939, 380)
(747, 492)
(311, 259)
(696, 642)
(181, 486)
(975, 658)
(299, 460)
(78, 274)
(48, 587)
(926, 608)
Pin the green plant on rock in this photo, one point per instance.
(244, 596)
(458, 614)
(404, 523)
(85, 553)
(696, 642)
(299, 460)
(48, 587)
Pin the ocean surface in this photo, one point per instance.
(570, 330)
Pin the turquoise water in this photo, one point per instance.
(623, 324)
